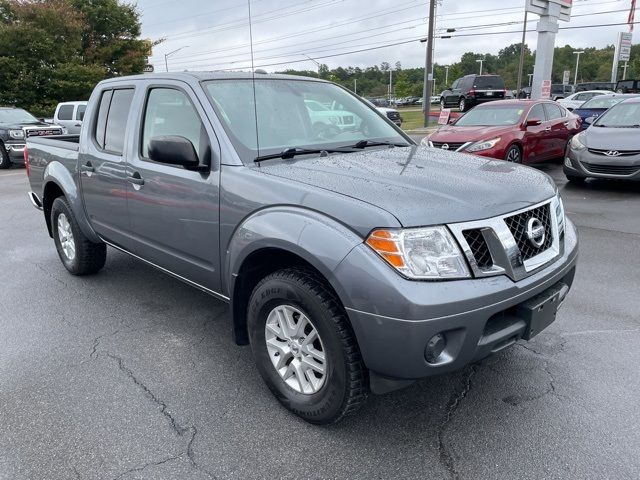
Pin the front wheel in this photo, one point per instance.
(443, 104)
(514, 154)
(304, 347)
(462, 105)
(78, 254)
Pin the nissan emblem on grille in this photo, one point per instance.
(445, 146)
(535, 232)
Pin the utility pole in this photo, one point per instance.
(446, 75)
(390, 84)
(523, 48)
(575, 81)
(167, 55)
(355, 86)
(428, 66)
(481, 61)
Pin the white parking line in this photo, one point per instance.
(11, 174)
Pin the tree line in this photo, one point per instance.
(57, 50)
(595, 66)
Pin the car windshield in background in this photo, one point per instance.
(491, 116)
(624, 115)
(489, 82)
(602, 102)
(294, 114)
(10, 116)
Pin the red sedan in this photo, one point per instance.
(521, 131)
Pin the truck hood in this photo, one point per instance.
(455, 134)
(422, 186)
(19, 126)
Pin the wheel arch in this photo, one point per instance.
(279, 238)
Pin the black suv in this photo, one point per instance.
(628, 86)
(470, 90)
(560, 91)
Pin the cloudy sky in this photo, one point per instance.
(214, 35)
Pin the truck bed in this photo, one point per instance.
(45, 150)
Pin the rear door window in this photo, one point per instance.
(101, 121)
(80, 112)
(65, 112)
(553, 111)
(537, 113)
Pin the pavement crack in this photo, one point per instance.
(147, 465)
(445, 456)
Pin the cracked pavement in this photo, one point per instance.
(132, 375)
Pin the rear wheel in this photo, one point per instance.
(78, 254)
(462, 105)
(304, 347)
(5, 161)
(514, 154)
(443, 104)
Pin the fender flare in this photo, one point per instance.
(57, 173)
(319, 240)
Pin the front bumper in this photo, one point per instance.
(394, 318)
(15, 151)
(583, 163)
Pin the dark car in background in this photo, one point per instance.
(628, 86)
(15, 125)
(583, 87)
(609, 148)
(560, 91)
(472, 90)
(518, 131)
(595, 107)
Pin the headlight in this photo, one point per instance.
(16, 134)
(483, 145)
(558, 207)
(420, 253)
(576, 142)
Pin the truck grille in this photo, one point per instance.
(611, 169)
(43, 132)
(449, 146)
(479, 248)
(518, 224)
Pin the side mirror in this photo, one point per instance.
(173, 150)
(533, 123)
(590, 120)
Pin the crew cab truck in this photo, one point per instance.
(354, 261)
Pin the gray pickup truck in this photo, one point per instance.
(353, 260)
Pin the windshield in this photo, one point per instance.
(623, 115)
(603, 102)
(490, 82)
(16, 115)
(293, 113)
(491, 116)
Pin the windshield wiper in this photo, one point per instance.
(368, 143)
(289, 153)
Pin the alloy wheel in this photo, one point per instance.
(295, 349)
(65, 235)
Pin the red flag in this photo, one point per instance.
(632, 15)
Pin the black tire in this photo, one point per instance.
(462, 104)
(5, 161)
(443, 104)
(575, 179)
(514, 154)
(89, 257)
(346, 384)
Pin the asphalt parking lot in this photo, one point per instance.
(132, 375)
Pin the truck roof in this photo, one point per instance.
(203, 76)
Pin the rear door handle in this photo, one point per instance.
(136, 179)
(548, 129)
(87, 167)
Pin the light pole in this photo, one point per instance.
(481, 61)
(575, 81)
(523, 47)
(355, 86)
(167, 55)
(446, 75)
(530, 78)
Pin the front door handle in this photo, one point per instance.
(135, 178)
(87, 167)
(548, 129)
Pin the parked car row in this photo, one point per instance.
(601, 139)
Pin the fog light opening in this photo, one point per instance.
(435, 347)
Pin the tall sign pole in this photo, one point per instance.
(550, 11)
(428, 66)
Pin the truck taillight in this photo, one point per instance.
(26, 161)
(472, 93)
